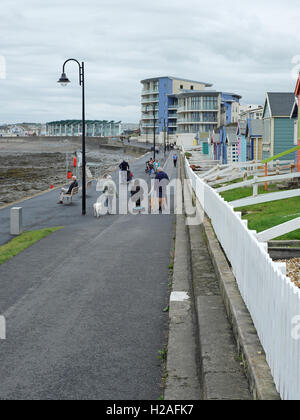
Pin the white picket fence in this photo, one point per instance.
(271, 298)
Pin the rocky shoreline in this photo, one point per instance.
(26, 171)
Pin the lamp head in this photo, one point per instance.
(64, 81)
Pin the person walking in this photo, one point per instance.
(124, 168)
(161, 182)
(175, 158)
(110, 191)
(156, 165)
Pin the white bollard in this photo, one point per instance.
(2, 328)
(16, 223)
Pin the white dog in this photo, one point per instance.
(97, 209)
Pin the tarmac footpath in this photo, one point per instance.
(84, 307)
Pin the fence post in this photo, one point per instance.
(255, 187)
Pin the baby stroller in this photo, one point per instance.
(149, 168)
(129, 176)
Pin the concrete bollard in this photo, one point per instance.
(16, 223)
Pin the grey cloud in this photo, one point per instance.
(244, 47)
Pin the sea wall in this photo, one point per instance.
(91, 142)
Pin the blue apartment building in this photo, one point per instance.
(184, 107)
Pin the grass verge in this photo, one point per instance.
(266, 215)
(27, 239)
(244, 192)
(234, 181)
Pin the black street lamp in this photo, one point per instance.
(163, 120)
(154, 129)
(168, 134)
(64, 82)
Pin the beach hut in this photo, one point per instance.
(254, 134)
(241, 140)
(278, 126)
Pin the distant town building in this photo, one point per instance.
(23, 130)
(130, 129)
(94, 128)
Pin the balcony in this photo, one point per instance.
(149, 116)
(150, 100)
(173, 117)
(149, 92)
(148, 109)
(189, 121)
(149, 125)
(183, 109)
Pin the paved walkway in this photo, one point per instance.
(84, 306)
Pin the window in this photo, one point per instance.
(195, 117)
(181, 86)
(196, 102)
(210, 102)
(192, 87)
(210, 117)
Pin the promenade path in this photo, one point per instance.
(84, 306)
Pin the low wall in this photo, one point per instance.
(91, 142)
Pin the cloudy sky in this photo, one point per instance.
(247, 47)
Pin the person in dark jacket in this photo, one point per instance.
(161, 182)
(124, 168)
(68, 190)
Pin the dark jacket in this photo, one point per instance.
(72, 186)
(124, 166)
(160, 176)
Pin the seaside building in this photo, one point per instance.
(242, 140)
(182, 110)
(200, 113)
(253, 112)
(159, 105)
(278, 126)
(254, 134)
(295, 114)
(94, 128)
(230, 108)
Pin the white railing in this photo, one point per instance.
(271, 298)
(265, 198)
